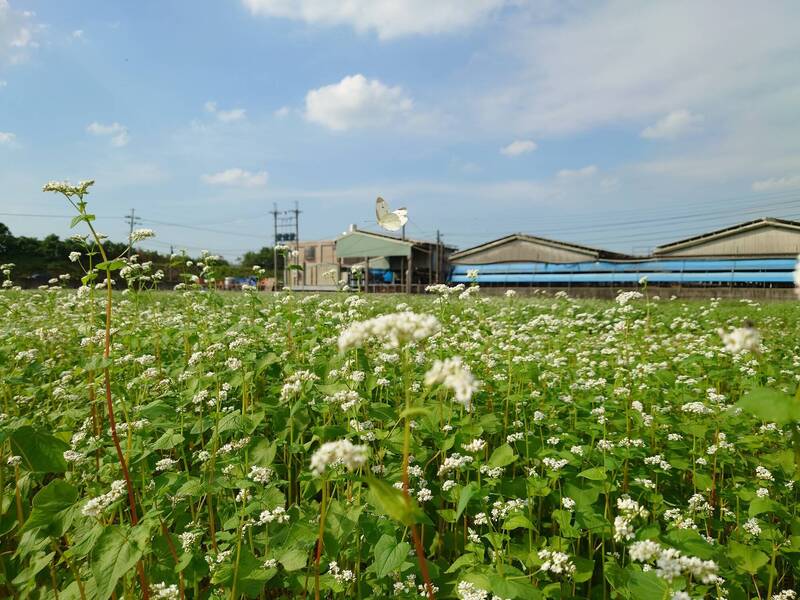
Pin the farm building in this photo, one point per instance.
(756, 253)
(389, 263)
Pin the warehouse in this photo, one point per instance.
(759, 253)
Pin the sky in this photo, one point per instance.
(619, 124)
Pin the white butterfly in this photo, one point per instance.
(391, 221)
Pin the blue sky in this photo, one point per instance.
(618, 124)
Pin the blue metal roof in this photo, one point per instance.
(721, 271)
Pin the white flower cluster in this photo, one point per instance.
(66, 188)
(137, 235)
(341, 575)
(475, 445)
(295, 382)
(670, 563)
(165, 464)
(468, 591)
(260, 474)
(454, 374)
(454, 462)
(277, 514)
(623, 523)
(556, 562)
(624, 297)
(162, 591)
(397, 329)
(741, 339)
(346, 399)
(785, 594)
(96, 506)
(342, 452)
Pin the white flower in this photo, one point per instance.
(741, 339)
(556, 562)
(395, 330)
(74, 256)
(162, 591)
(454, 374)
(475, 445)
(260, 474)
(339, 452)
(624, 297)
(751, 526)
(138, 235)
(96, 506)
(567, 502)
(165, 464)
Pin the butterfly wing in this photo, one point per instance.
(402, 216)
(381, 209)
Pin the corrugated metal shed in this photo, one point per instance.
(761, 237)
(519, 247)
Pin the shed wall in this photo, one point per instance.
(524, 251)
(767, 240)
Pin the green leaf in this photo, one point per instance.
(516, 521)
(502, 456)
(464, 497)
(110, 265)
(467, 559)
(393, 503)
(414, 411)
(40, 452)
(169, 440)
(647, 586)
(389, 555)
(116, 553)
(771, 405)
(595, 474)
(293, 559)
(53, 508)
(747, 558)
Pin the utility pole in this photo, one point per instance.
(296, 212)
(132, 220)
(274, 213)
(438, 255)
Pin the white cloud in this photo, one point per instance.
(77, 34)
(237, 178)
(7, 137)
(115, 131)
(282, 112)
(622, 62)
(582, 173)
(673, 125)
(777, 183)
(225, 116)
(518, 147)
(17, 33)
(387, 18)
(357, 102)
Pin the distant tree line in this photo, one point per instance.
(38, 260)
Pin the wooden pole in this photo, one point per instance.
(410, 270)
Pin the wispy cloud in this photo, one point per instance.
(225, 116)
(7, 138)
(387, 18)
(518, 147)
(582, 173)
(236, 177)
(673, 125)
(777, 183)
(116, 132)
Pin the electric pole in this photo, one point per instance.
(438, 255)
(274, 213)
(132, 220)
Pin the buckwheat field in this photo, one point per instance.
(199, 444)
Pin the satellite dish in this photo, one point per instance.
(390, 220)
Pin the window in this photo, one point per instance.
(310, 254)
